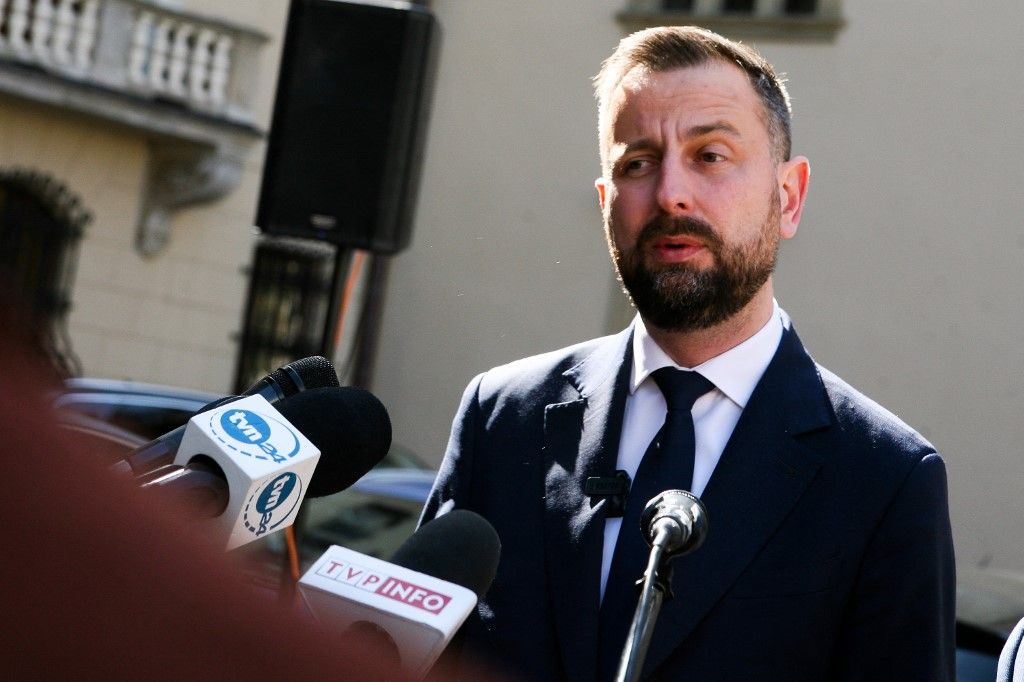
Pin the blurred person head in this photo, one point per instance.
(100, 581)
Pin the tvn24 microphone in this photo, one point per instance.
(312, 372)
(419, 599)
(247, 466)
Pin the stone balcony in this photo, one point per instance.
(185, 81)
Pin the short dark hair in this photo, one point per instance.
(674, 47)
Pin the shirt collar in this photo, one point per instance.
(735, 372)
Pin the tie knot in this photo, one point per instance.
(680, 387)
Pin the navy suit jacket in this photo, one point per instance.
(829, 554)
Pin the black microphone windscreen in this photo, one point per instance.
(348, 425)
(460, 547)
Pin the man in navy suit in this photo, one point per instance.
(829, 555)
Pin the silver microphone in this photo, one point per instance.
(676, 521)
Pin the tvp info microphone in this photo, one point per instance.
(419, 599)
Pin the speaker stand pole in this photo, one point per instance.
(342, 263)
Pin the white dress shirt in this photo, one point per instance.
(734, 373)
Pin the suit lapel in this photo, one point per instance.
(761, 475)
(581, 440)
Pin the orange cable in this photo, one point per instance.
(350, 285)
(293, 552)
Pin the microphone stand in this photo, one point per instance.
(656, 589)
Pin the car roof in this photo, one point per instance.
(137, 388)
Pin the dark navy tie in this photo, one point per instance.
(666, 465)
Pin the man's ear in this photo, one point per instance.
(793, 178)
(602, 188)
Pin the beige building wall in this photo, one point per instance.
(908, 273)
(508, 257)
(105, 168)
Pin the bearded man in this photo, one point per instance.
(829, 555)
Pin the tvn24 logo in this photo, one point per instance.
(272, 503)
(255, 435)
(268, 438)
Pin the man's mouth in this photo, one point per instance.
(676, 249)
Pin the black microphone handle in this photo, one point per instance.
(201, 487)
(268, 388)
(157, 453)
(161, 452)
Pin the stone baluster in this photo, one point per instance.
(199, 72)
(63, 32)
(17, 25)
(770, 8)
(220, 70)
(85, 36)
(42, 27)
(178, 66)
(138, 61)
(3, 11)
(159, 54)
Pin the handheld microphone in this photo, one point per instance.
(348, 426)
(419, 599)
(312, 372)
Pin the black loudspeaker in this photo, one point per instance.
(346, 141)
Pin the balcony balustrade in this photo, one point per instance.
(802, 20)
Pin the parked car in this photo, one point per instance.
(989, 603)
(377, 513)
(148, 410)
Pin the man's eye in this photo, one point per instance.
(635, 166)
(711, 157)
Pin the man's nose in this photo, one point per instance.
(675, 188)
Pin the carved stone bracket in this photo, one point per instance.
(193, 157)
(182, 174)
(184, 81)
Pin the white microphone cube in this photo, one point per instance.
(419, 612)
(268, 465)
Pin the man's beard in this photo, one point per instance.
(681, 297)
